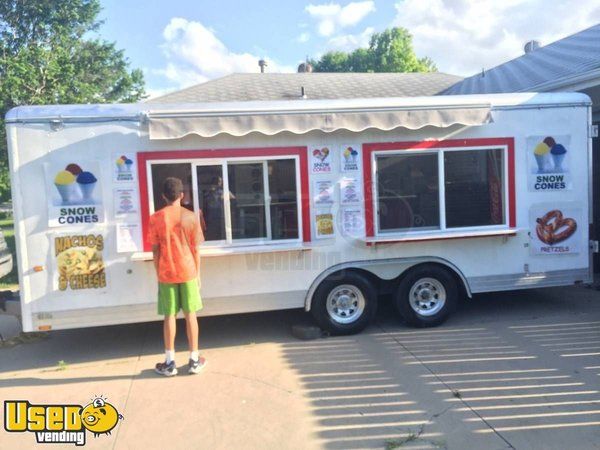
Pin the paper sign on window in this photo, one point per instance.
(323, 192)
(324, 222)
(123, 167)
(350, 191)
(320, 159)
(350, 158)
(353, 222)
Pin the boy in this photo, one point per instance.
(175, 234)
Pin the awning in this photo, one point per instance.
(169, 125)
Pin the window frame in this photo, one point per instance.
(222, 157)
(370, 175)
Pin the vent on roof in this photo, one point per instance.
(531, 46)
(262, 63)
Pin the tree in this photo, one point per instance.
(388, 51)
(49, 54)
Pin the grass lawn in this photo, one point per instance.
(10, 281)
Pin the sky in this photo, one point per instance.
(178, 43)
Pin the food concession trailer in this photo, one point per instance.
(315, 204)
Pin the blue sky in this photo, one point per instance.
(182, 42)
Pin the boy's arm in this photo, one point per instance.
(197, 260)
(196, 239)
(156, 256)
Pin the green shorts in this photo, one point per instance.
(175, 296)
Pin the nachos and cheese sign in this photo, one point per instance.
(79, 261)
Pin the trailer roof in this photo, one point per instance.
(137, 111)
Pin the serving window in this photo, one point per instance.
(241, 196)
(439, 187)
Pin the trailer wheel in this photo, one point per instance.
(426, 296)
(344, 305)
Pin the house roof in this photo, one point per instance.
(559, 65)
(288, 86)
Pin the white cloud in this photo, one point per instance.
(303, 37)
(332, 17)
(349, 42)
(194, 54)
(464, 36)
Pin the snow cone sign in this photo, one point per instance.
(350, 158)
(75, 194)
(320, 159)
(549, 163)
(123, 168)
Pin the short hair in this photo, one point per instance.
(172, 188)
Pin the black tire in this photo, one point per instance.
(424, 297)
(359, 284)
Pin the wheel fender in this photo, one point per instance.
(385, 269)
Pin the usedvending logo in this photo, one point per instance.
(67, 424)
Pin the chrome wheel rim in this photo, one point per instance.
(345, 303)
(427, 296)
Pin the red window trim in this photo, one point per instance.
(301, 152)
(368, 150)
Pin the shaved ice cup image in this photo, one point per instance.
(87, 183)
(558, 153)
(540, 152)
(66, 187)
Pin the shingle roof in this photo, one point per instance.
(568, 57)
(287, 86)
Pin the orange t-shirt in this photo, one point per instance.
(177, 231)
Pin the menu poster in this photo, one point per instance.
(320, 159)
(323, 193)
(324, 225)
(125, 201)
(353, 223)
(74, 193)
(350, 192)
(79, 261)
(123, 167)
(129, 237)
(350, 158)
(549, 163)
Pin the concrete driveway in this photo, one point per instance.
(510, 370)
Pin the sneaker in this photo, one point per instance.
(196, 366)
(168, 370)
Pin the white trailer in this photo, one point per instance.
(315, 204)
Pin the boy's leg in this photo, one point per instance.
(169, 331)
(189, 292)
(191, 327)
(191, 303)
(168, 306)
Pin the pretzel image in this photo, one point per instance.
(553, 228)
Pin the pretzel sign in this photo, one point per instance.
(553, 228)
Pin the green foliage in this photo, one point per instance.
(11, 280)
(388, 51)
(48, 54)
